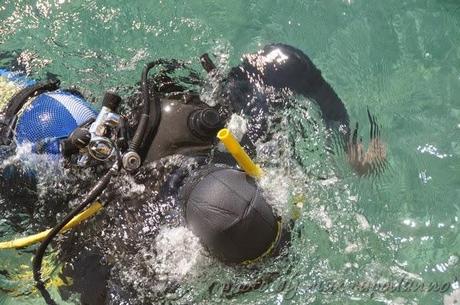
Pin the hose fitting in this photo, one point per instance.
(131, 161)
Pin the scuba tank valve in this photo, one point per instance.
(100, 146)
(107, 118)
(97, 140)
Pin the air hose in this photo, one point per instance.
(90, 198)
(145, 116)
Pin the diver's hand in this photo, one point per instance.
(373, 161)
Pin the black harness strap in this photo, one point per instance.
(20, 98)
(9, 116)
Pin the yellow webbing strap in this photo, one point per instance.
(7, 90)
(241, 157)
(22, 276)
(32, 239)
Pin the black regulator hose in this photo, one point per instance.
(90, 198)
(145, 116)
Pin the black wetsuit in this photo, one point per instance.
(278, 66)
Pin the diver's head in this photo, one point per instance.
(50, 118)
(226, 209)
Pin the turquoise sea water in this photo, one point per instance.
(400, 58)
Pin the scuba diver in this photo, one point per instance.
(221, 204)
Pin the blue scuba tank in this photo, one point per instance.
(48, 118)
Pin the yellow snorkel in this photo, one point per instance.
(251, 168)
(241, 157)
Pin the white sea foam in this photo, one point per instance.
(238, 126)
(178, 251)
(432, 150)
(47, 168)
(453, 298)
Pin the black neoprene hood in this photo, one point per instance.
(225, 208)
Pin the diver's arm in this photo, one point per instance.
(364, 162)
(372, 161)
(283, 66)
(332, 108)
